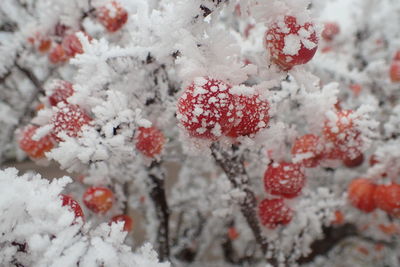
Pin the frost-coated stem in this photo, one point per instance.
(232, 164)
(158, 196)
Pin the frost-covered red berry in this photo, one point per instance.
(207, 108)
(291, 42)
(72, 45)
(307, 150)
(361, 194)
(274, 212)
(35, 148)
(331, 29)
(387, 198)
(73, 205)
(127, 220)
(58, 55)
(112, 16)
(395, 71)
(61, 91)
(69, 119)
(150, 141)
(284, 179)
(252, 115)
(98, 199)
(355, 161)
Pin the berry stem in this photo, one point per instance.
(232, 164)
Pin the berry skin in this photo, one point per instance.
(58, 55)
(284, 179)
(274, 212)
(69, 119)
(206, 108)
(72, 205)
(387, 198)
(252, 115)
(112, 16)
(150, 141)
(62, 90)
(290, 43)
(331, 29)
(361, 194)
(98, 199)
(35, 148)
(395, 71)
(307, 149)
(127, 220)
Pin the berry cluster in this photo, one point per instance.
(209, 109)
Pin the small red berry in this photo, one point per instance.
(61, 91)
(307, 150)
(72, 205)
(98, 199)
(339, 218)
(58, 55)
(353, 161)
(387, 198)
(72, 45)
(35, 148)
(331, 29)
(291, 43)
(284, 179)
(232, 233)
(44, 45)
(361, 194)
(113, 16)
(69, 119)
(150, 141)
(207, 108)
(274, 212)
(252, 115)
(127, 220)
(395, 71)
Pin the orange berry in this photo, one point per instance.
(35, 148)
(361, 194)
(98, 199)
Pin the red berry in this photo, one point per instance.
(284, 179)
(44, 45)
(232, 233)
(291, 43)
(72, 45)
(98, 199)
(69, 119)
(127, 220)
(61, 91)
(274, 212)
(331, 29)
(72, 205)
(58, 55)
(361, 194)
(307, 150)
(150, 141)
(206, 108)
(355, 161)
(387, 198)
(35, 148)
(395, 71)
(113, 16)
(252, 115)
(397, 56)
(341, 131)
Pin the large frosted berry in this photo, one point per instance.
(73, 205)
(252, 115)
(290, 42)
(127, 221)
(98, 199)
(69, 119)
(284, 179)
(387, 198)
(150, 141)
(274, 212)
(307, 150)
(361, 194)
(331, 29)
(207, 108)
(61, 91)
(34, 148)
(112, 16)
